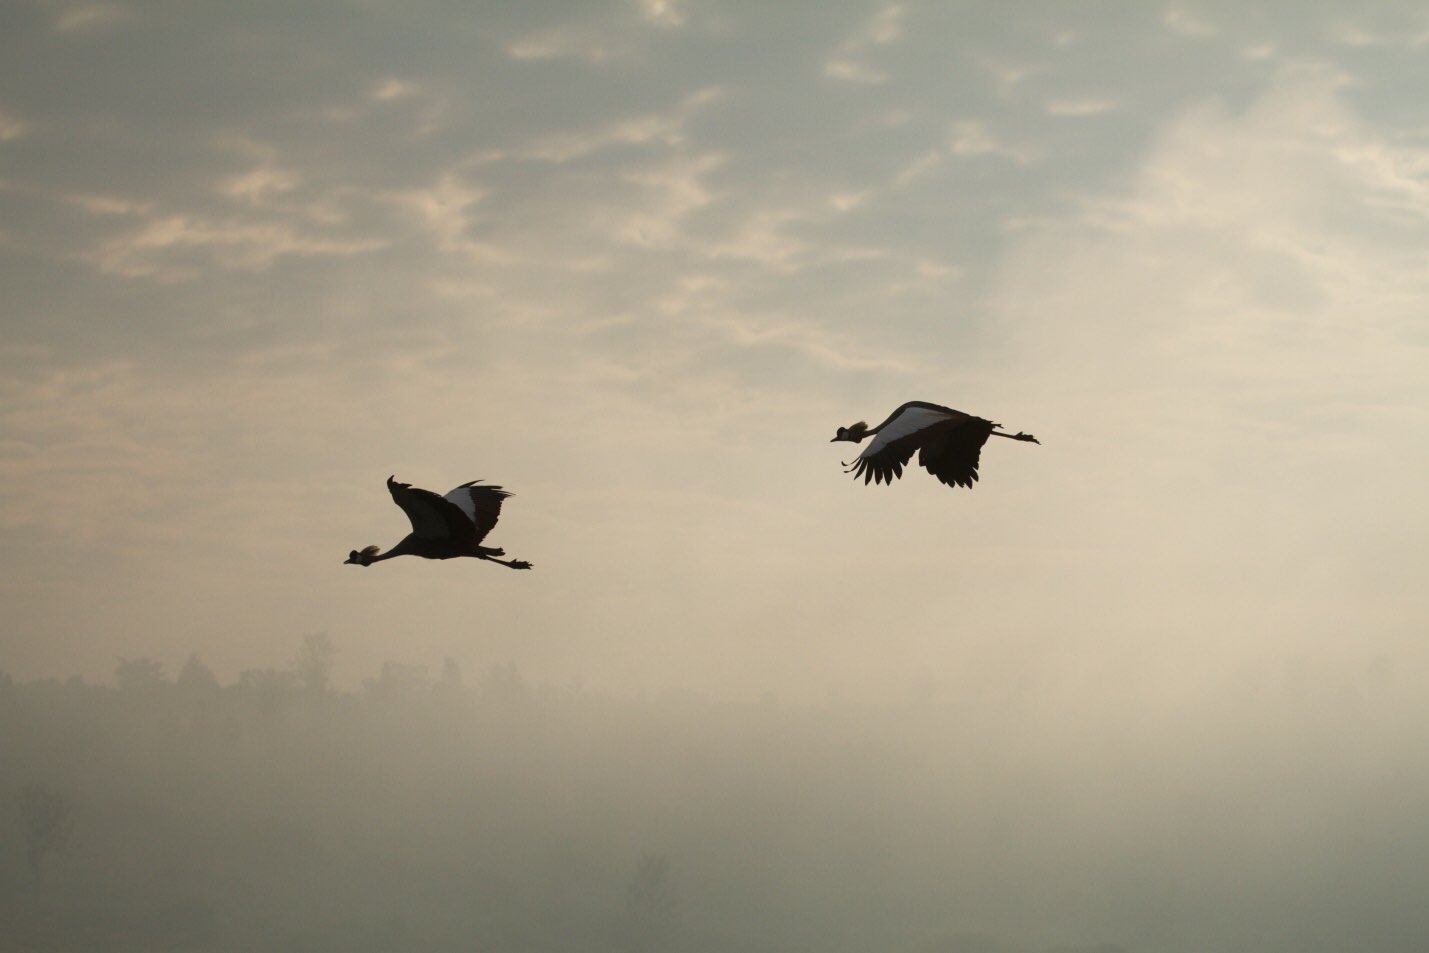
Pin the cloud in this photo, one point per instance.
(654, 130)
(12, 127)
(1188, 23)
(1083, 106)
(90, 16)
(566, 44)
(1410, 32)
(1009, 76)
(80, 454)
(92, 203)
(164, 248)
(630, 253)
(255, 186)
(830, 349)
(665, 13)
(672, 190)
(850, 62)
(445, 209)
(619, 37)
(392, 89)
(970, 138)
(1231, 352)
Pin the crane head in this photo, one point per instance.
(361, 557)
(852, 433)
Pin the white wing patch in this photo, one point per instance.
(461, 496)
(909, 422)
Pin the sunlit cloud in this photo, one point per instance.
(1009, 77)
(764, 236)
(254, 186)
(93, 203)
(850, 62)
(1089, 106)
(848, 201)
(969, 138)
(836, 351)
(551, 46)
(66, 426)
(162, 249)
(851, 72)
(11, 127)
(1356, 33)
(665, 13)
(90, 16)
(1189, 23)
(618, 38)
(671, 191)
(918, 167)
(655, 129)
(445, 209)
(644, 130)
(1223, 256)
(107, 204)
(393, 89)
(445, 206)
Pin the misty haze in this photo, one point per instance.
(421, 812)
(1159, 684)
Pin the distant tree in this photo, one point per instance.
(47, 821)
(449, 685)
(196, 678)
(649, 905)
(266, 680)
(504, 684)
(138, 674)
(396, 679)
(268, 687)
(314, 662)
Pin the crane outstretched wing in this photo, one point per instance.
(951, 454)
(432, 516)
(886, 465)
(481, 505)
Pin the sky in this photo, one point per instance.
(637, 261)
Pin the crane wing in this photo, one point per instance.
(951, 453)
(882, 467)
(907, 429)
(432, 516)
(481, 505)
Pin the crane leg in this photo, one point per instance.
(509, 563)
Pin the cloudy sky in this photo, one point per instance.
(637, 260)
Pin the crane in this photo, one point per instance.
(444, 527)
(948, 443)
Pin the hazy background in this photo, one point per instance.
(432, 811)
(636, 262)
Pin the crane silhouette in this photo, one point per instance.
(948, 442)
(444, 527)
